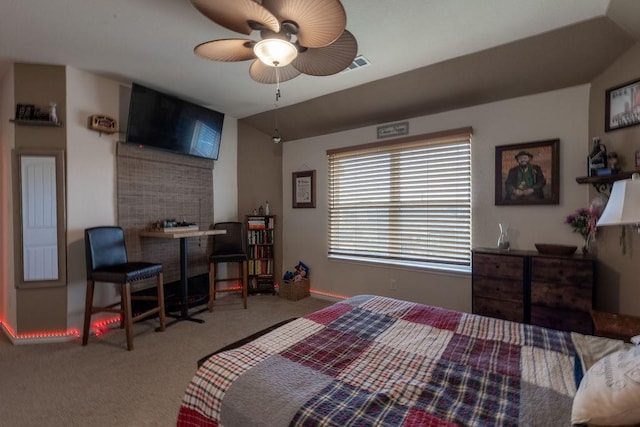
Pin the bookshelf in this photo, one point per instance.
(260, 252)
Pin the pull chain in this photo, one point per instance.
(277, 84)
(276, 138)
(276, 105)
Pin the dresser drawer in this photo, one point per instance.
(502, 289)
(504, 266)
(562, 319)
(575, 296)
(500, 309)
(562, 271)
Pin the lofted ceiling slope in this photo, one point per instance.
(556, 59)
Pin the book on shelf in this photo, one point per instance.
(259, 222)
(260, 267)
(260, 251)
(260, 237)
(264, 285)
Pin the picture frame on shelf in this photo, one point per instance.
(528, 173)
(622, 106)
(24, 111)
(304, 189)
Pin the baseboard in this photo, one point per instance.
(327, 297)
(38, 338)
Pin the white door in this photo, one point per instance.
(39, 220)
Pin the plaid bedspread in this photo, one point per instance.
(371, 360)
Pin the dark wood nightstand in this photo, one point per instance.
(617, 326)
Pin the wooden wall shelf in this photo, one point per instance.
(603, 184)
(36, 123)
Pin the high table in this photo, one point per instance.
(183, 235)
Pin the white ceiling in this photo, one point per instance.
(151, 41)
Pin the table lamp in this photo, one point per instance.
(623, 206)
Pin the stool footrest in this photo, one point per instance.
(228, 279)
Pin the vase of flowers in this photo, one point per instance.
(584, 221)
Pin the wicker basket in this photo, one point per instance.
(294, 290)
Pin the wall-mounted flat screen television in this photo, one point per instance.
(166, 122)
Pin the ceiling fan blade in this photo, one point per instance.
(227, 50)
(265, 74)
(320, 22)
(236, 15)
(328, 60)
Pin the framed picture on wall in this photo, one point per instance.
(622, 106)
(528, 173)
(304, 189)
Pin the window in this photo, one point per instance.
(202, 140)
(406, 201)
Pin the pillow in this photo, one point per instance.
(609, 393)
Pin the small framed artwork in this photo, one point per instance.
(622, 106)
(24, 111)
(528, 173)
(304, 189)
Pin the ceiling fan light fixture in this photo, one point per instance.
(275, 52)
(297, 37)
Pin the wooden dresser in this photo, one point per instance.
(499, 285)
(525, 286)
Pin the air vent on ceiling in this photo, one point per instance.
(358, 62)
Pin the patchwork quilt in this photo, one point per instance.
(377, 361)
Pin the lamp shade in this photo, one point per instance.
(275, 52)
(623, 206)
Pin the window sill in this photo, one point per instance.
(410, 265)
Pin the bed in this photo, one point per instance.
(372, 360)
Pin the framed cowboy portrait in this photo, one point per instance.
(528, 173)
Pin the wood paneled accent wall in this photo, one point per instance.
(156, 185)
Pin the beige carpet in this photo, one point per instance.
(103, 384)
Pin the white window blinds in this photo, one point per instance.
(406, 200)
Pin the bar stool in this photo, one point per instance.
(106, 259)
(228, 248)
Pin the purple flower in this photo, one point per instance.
(584, 221)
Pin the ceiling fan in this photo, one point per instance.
(296, 36)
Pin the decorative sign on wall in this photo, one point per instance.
(304, 189)
(103, 123)
(394, 129)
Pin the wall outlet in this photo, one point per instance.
(393, 285)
